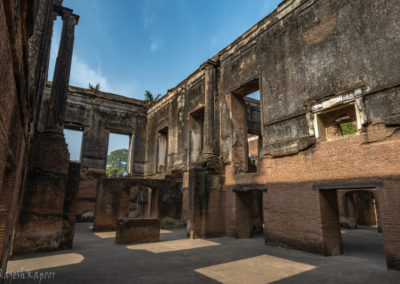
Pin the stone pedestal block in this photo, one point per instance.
(137, 230)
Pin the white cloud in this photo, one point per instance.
(82, 74)
(148, 13)
(154, 46)
(156, 43)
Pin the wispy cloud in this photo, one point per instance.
(148, 14)
(96, 14)
(156, 42)
(82, 74)
(154, 46)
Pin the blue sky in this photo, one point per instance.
(129, 46)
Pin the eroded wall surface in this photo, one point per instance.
(97, 114)
(24, 47)
(316, 64)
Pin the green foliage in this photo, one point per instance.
(348, 128)
(148, 97)
(94, 88)
(117, 163)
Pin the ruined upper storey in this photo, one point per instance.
(305, 54)
(98, 114)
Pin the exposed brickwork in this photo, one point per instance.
(16, 106)
(69, 212)
(137, 230)
(302, 58)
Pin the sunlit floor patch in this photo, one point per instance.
(259, 269)
(175, 245)
(43, 262)
(105, 235)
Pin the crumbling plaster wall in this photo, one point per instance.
(173, 111)
(317, 50)
(305, 52)
(97, 114)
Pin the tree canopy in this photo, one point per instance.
(117, 163)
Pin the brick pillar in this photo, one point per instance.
(243, 215)
(40, 225)
(59, 90)
(39, 54)
(71, 195)
(352, 214)
(332, 238)
(209, 141)
(154, 210)
(198, 202)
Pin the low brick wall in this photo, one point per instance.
(137, 230)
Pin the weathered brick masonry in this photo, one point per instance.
(22, 26)
(316, 64)
(25, 39)
(320, 66)
(97, 114)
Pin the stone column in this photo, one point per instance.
(59, 90)
(40, 224)
(209, 140)
(39, 55)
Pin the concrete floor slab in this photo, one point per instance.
(247, 260)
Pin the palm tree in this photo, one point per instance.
(94, 88)
(148, 97)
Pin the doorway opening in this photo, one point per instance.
(360, 223)
(350, 218)
(249, 212)
(358, 208)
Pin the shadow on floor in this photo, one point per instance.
(176, 259)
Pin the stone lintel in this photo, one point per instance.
(348, 185)
(248, 189)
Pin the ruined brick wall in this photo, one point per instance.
(70, 202)
(173, 113)
(114, 201)
(97, 114)
(20, 22)
(306, 58)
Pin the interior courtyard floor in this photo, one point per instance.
(96, 258)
